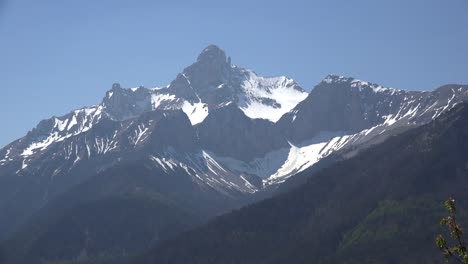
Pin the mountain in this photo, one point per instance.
(157, 124)
(381, 206)
(225, 128)
(345, 104)
(345, 115)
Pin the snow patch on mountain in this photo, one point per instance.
(158, 99)
(65, 127)
(41, 145)
(303, 156)
(361, 85)
(277, 166)
(262, 167)
(6, 157)
(205, 168)
(196, 112)
(139, 135)
(269, 97)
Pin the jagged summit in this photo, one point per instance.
(333, 78)
(210, 72)
(207, 84)
(116, 86)
(337, 79)
(212, 53)
(352, 83)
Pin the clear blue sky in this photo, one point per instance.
(60, 55)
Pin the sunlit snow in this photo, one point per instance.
(196, 112)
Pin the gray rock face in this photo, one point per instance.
(337, 106)
(228, 132)
(123, 104)
(171, 129)
(181, 87)
(210, 71)
(348, 105)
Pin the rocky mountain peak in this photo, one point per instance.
(209, 83)
(347, 84)
(332, 78)
(116, 86)
(212, 53)
(210, 71)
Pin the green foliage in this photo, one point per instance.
(391, 221)
(458, 251)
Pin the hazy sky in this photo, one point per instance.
(56, 56)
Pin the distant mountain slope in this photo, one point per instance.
(117, 213)
(381, 206)
(111, 228)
